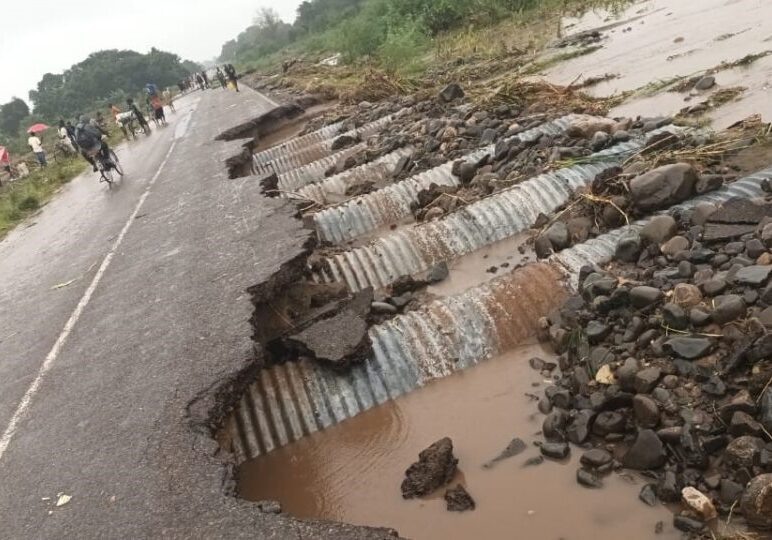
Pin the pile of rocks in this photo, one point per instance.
(514, 160)
(621, 194)
(666, 361)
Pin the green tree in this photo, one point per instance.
(267, 34)
(102, 77)
(11, 115)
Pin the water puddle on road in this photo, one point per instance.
(352, 472)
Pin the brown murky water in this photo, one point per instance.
(661, 39)
(352, 472)
(476, 268)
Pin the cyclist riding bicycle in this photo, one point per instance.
(90, 139)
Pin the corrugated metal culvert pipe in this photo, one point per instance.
(292, 400)
(389, 205)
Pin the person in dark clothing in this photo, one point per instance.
(230, 71)
(138, 115)
(221, 78)
(90, 140)
(71, 133)
(206, 78)
(200, 81)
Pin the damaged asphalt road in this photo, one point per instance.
(120, 421)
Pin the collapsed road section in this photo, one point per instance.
(362, 319)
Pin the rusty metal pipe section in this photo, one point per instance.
(377, 171)
(391, 204)
(290, 401)
(489, 220)
(280, 162)
(295, 399)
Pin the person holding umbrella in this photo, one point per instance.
(36, 144)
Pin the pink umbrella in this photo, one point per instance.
(37, 128)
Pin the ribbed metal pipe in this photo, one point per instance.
(391, 204)
(292, 400)
(315, 170)
(282, 162)
(494, 218)
(296, 143)
(376, 171)
(295, 399)
(601, 250)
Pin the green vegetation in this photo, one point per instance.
(103, 77)
(396, 35)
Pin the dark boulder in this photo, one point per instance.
(436, 467)
(647, 452)
(663, 186)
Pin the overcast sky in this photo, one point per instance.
(41, 36)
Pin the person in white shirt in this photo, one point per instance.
(37, 148)
(64, 138)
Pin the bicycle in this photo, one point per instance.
(106, 165)
(63, 151)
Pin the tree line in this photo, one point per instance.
(103, 77)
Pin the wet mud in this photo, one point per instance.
(657, 41)
(353, 471)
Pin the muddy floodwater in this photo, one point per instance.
(352, 472)
(658, 40)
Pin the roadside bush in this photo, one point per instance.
(365, 33)
(403, 48)
(30, 202)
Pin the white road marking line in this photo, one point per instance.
(24, 404)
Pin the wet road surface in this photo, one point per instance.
(106, 383)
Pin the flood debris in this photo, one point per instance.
(515, 447)
(436, 467)
(459, 500)
(669, 170)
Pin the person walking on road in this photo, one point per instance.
(169, 99)
(233, 80)
(36, 144)
(221, 78)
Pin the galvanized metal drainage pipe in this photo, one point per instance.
(391, 204)
(489, 220)
(376, 171)
(600, 250)
(295, 399)
(315, 170)
(292, 400)
(296, 143)
(282, 162)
